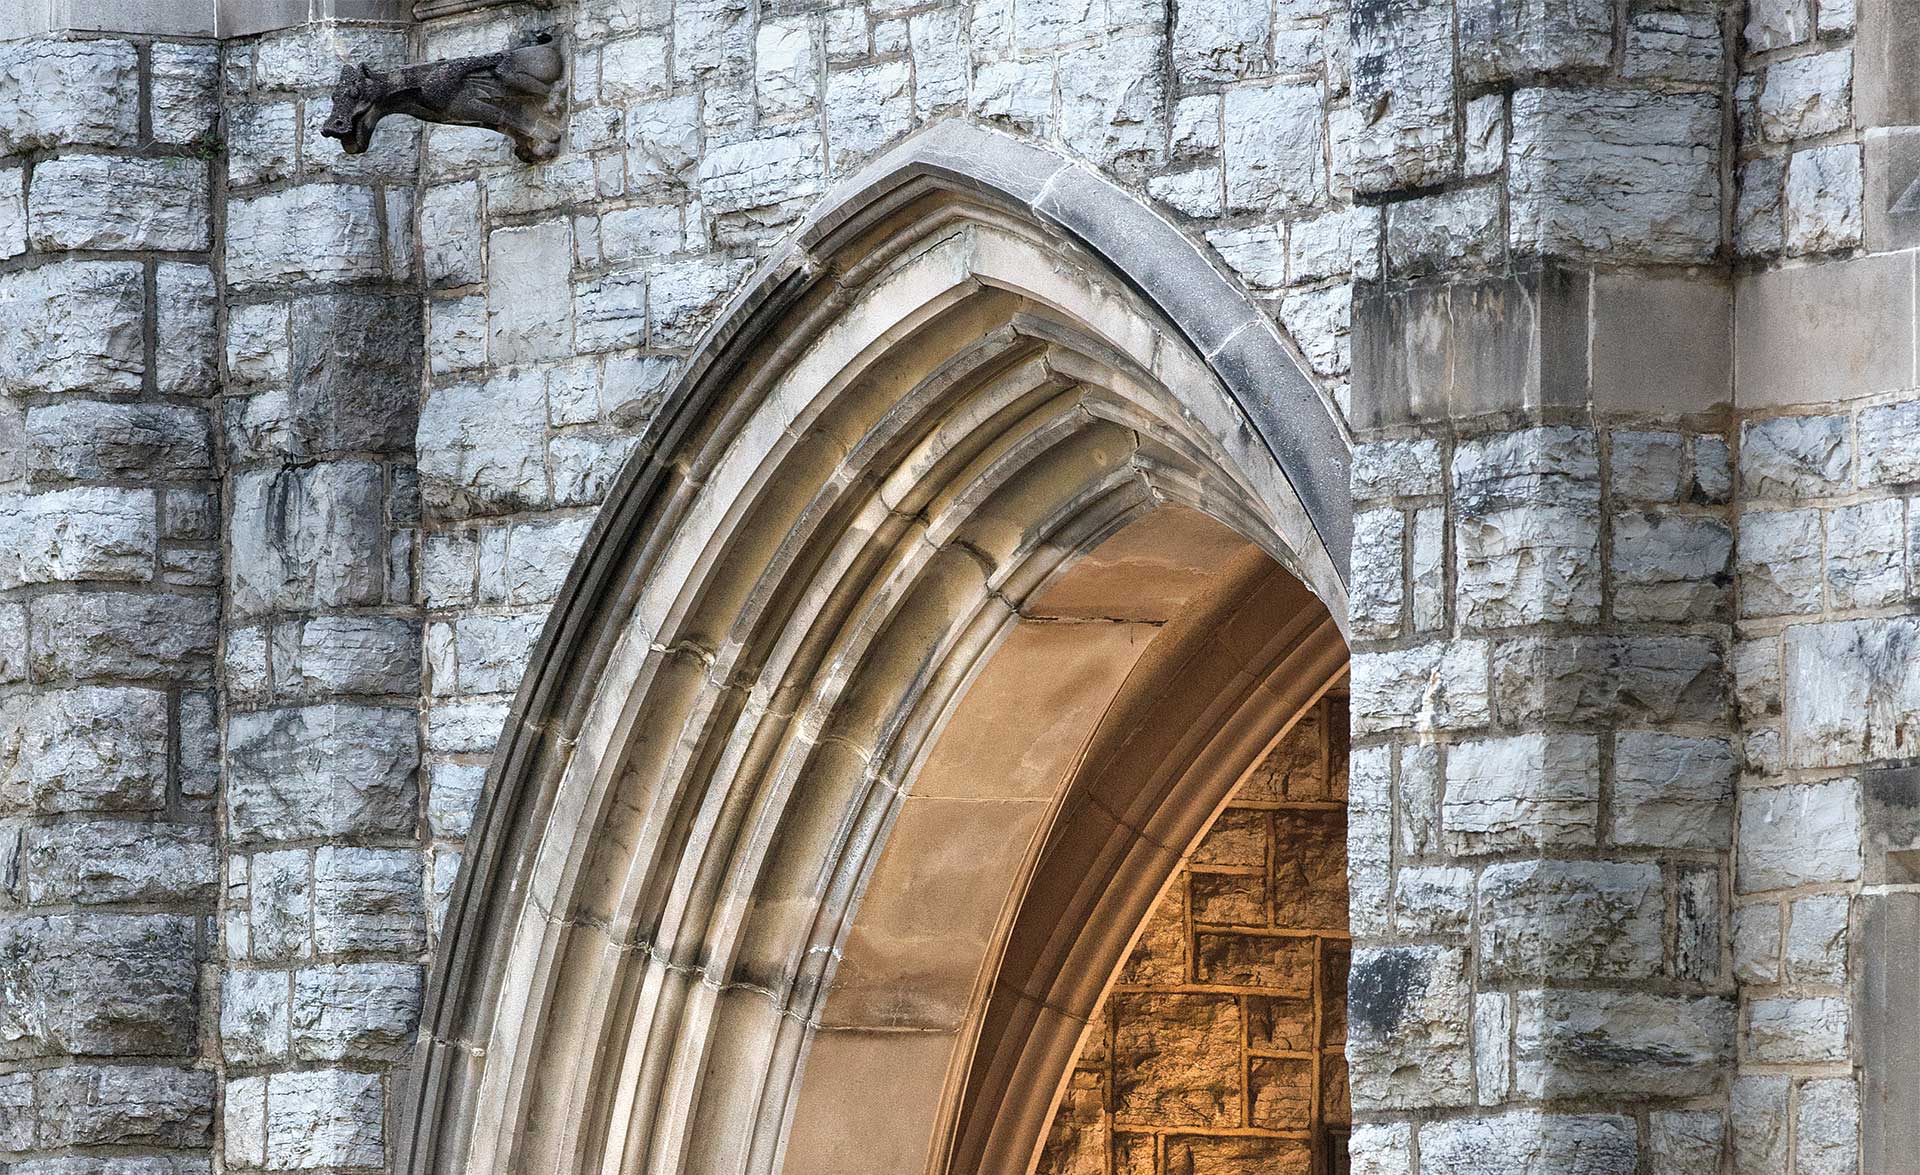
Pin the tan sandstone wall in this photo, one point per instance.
(1219, 1049)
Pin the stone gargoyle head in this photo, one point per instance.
(356, 108)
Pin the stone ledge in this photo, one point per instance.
(188, 18)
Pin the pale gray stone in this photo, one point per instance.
(1403, 91)
(87, 440)
(939, 73)
(683, 297)
(584, 466)
(1376, 590)
(259, 344)
(1257, 253)
(98, 533)
(244, 1121)
(1492, 1048)
(1409, 1041)
(1396, 468)
(493, 651)
(95, 748)
(311, 233)
(1384, 1148)
(1622, 174)
(786, 67)
(1647, 466)
(1758, 227)
(13, 212)
(528, 303)
(761, 172)
(1866, 554)
(1499, 40)
(1441, 685)
(1852, 690)
(325, 1118)
(1524, 791)
(1756, 943)
(1797, 1030)
(1320, 321)
(355, 1011)
(1826, 1138)
(1674, 40)
(280, 905)
(457, 335)
(125, 1105)
(1113, 103)
(1837, 16)
(73, 326)
(114, 202)
(451, 234)
(321, 771)
(1823, 200)
(1798, 834)
(1712, 469)
(1670, 567)
(1198, 194)
(640, 234)
(254, 1010)
(261, 143)
(1779, 566)
(98, 984)
(1807, 96)
(453, 791)
(539, 555)
(1273, 148)
(1571, 1044)
(467, 726)
(1527, 528)
(103, 862)
(1817, 939)
(1672, 791)
(1685, 1142)
(42, 79)
(1324, 246)
(1458, 229)
(347, 655)
(1570, 920)
(663, 143)
(867, 106)
(1890, 444)
(367, 900)
(1015, 93)
(185, 93)
(1432, 899)
(610, 312)
(1760, 1125)
(1219, 41)
(483, 446)
(300, 537)
(1428, 569)
(127, 635)
(308, 56)
(1528, 1142)
(1419, 796)
(185, 344)
(1774, 24)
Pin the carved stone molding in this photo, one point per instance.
(428, 9)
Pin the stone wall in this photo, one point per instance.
(1219, 1050)
(109, 603)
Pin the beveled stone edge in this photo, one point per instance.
(220, 19)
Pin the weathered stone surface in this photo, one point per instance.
(1500, 40)
(1756, 943)
(682, 298)
(1804, 1030)
(1761, 1125)
(483, 447)
(1435, 686)
(355, 1011)
(1273, 148)
(310, 233)
(1798, 834)
(113, 202)
(72, 326)
(1621, 1044)
(130, 635)
(1624, 174)
(1526, 791)
(185, 93)
(1890, 444)
(1795, 456)
(453, 793)
(1376, 590)
(367, 900)
(1176, 1057)
(1409, 1044)
(1779, 565)
(1866, 555)
(1816, 940)
(95, 533)
(1852, 690)
(186, 347)
(1600, 678)
(324, 1119)
(1647, 466)
(1674, 43)
(254, 1012)
(1757, 224)
(279, 904)
(609, 312)
(1113, 106)
(1823, 199)
(43, 76)
(1827, 1129)
(103, 984)
(1403, 85)
(1530, 1143)
(465, 726)
(1381, 1149)
(324, 770)
(1669, 567)
(1432, 899)
(1672, 791)
(1526, 527)
(352, 372)
(126, 1105)
(1449, 230)
(528, 307)
(1219, 41)
(1569, 920)
(347, 655)
(866, 107)
(1685, 1142)
(13, 212)
(1807, 96)
(760, 172)
(300, 537)
(102, 862)
(1396, 468)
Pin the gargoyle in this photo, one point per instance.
(515, 92)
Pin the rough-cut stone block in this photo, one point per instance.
(113, 202)
(459, 727)
(1595, 678)
(319, 771)
(353, 378)
(1816, 940)
(1219, 41)
(1761, 1125)
(494, 650)
(279, 895)
(1756, 943)
(301, 537)
(1570, 920)
(1824, 194)
(1571, 1044)
(355, 1011)
(1449, 230)
(1396, 468)
(100, 984)
(1672, 791)
(482, 447)
(528, 307)
(1669, 567)
(324, 1119)
(1376, 588)
(1440, 685)
(1499, 40)
(13, 212)
(683, 297)
(1807, 96)
(1113, 104)
(123, 635)
(1779, 566)
(1827, 1129)
(98, 533)
(1673, 43)
(254, 1008)
(1403, 83)
(1890, 445)
(1527, 527)
(760, 172)
(185, 95)
(866, 107)
(73, 326)
(1409, 1041)
(1867, 554)
(68, 93)
(1381, 1149)
(1626, 175)
(1526, 791)
(102, 862)
(1530, 1143)
(348, 655)
(1273, 149)
(1647, 466)
(1685, 1142)
(1432, 899)
(311, 233)
(1799, 834)
(1176, 1059)
(1797, 1031)
(367, 900)
(126, 1105)
(1852, 690)
(186, 347)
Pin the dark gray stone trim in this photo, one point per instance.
(183, 18)
(1247, 352)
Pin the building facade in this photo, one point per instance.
(1094, 586)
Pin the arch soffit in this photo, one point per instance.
(1248, 357)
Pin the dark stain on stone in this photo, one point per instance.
(1380, 988)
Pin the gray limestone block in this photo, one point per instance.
(1756, 943)
(1500, 40)
(1376, 584)
(1446, 231)
(1409, 1037)
(1220, 41)
(1674, 42)
(1571, 1044)
(106, 862)
(185, 92)
(1779, 566)
(1757, 225)
(1432, 899)
(1827, 1128)
(126, 1105)
(1852, 690)
(355, 372)
(1272, 148)
(19, 1120)
(327, 232)
(1570, 920)
(368, 900)
(1113, 104)
(493, 650)
(663, 147)
(116, 202)
(393, 155)
(1867, 554)
(186, 346)
(451, 234)
(1382, 1148)
(243, 1122)
(1890, 444)
(1592, 678)
(42, 78)
(1670, 567)
(1686, 1142)
(308, 56)
(483, 446)
(93, 440)
(301, 537)
(1647, 466)
(1761, 1125)
(1804, 97)
(1712, 469)
(1798, 834)
(262, 139)
(73, 326)
(1527, 564)
(280, 905)
(1816, 940)
(1524, 791)
(325, 1118)
(13, 212)
(867, 106)
(98, 984)
(1369, 838)
(113, 1165)
(1797, 1030)
(1699, 925)
(1428, 570)
(129, 635)
(747, 176)
(1825, 194)
(646, 233)
(254, 1015)
(467, 726)
(1396, 468)
(683, 297)
(529, 302)
(1403, 89)
(1622, 174)
(457, 335)
(355, 1011)
(453, 791)
(1439, 685)
(93, 749)
(1553, 465)
(320, 771)
(1528, 1142)
(609, 312)
(1775, 24)
(97, 533)
(1672, 791)
(347, 655)
(259, 345)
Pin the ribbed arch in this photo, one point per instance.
(770, 825)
